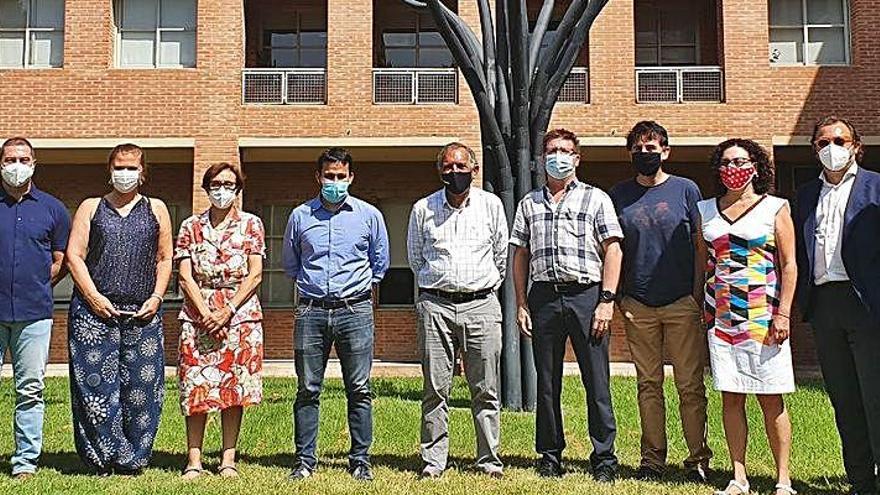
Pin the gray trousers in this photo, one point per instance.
(474, 330)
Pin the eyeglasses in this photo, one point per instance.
(216, 186)
(840, 141)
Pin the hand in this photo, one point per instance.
(524, 320)
(602, 319)
(780, 328)
(101, 306)
(215, 323)
(148, 309)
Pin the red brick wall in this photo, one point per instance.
(90, 98)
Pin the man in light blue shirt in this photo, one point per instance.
(335, 249)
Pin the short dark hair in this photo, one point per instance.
(831, 120)
(128, 149)
(16, 141)
(215, 169)
(333, 155)
(455, 145)
(763, 183)
(647, 130)
(560, 133)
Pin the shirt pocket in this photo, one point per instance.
(575, 223)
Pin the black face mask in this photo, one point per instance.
(457, 182)
(646, 162)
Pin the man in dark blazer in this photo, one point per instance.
(838, 230)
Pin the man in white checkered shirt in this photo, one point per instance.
(567, 238)
(457, 248)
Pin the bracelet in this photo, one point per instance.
(231, 306)
(157, 296)
(783, 315)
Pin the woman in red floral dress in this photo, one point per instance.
(221, 339)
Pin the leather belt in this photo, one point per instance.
(459, 297)
(567, 287)
(330, 303)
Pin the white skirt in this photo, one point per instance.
(750, 367)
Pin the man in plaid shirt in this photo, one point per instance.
(567, 240)
(457, 247)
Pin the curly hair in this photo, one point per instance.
(763, 183)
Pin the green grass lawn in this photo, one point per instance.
(266, 447)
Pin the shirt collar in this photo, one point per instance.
(32, 194)
(466, 203)
(571, 185)
(205, 218)
(850, 173)
(346, 204)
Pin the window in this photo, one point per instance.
(31, 33)
(156, 33)
(276, 289)
(809, 32)
(667, 33)
(302, 44)
(398, 288)
(407, 39)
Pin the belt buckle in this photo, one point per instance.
(559, 288)
(457, 297)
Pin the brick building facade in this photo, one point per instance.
(194, 82)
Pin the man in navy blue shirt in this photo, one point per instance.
(660, 289)
(335, 249)
(34, 227)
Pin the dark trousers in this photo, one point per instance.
(350, 329)
(848, 344)
(555, 319)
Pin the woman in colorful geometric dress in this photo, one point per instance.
(221, 339)
(750, 283)
(120, 257)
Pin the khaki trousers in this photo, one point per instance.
(677, 329)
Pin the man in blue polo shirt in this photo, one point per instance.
(33, 235)
(335, 249)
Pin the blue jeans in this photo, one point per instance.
(28, 344)
(316, 330)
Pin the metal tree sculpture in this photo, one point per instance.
(515, 85)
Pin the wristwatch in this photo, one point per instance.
(607, 296)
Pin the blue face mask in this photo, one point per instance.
(559, 165)
(335, 192)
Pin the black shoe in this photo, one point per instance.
(647, 473)
(299, 473)
(697, 474)
(549, 469)
(605, 474)
(361, 472)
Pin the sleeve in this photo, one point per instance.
(290, 250)
(414, 241)
(605, 222)
(379, 255)
(183, 249)
(521, 233)
(255, 237)
(61, 229)
(500, 237)
(693, 196)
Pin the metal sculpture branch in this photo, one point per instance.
(515, 85)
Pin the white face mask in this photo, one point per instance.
(222, 198)
(559, 165)
(834, 157)
(125, 181)
(16, 174)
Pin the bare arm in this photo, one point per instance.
(787, 269)
(77, 249)
(610, 279)
(521, 258)
(58, 270)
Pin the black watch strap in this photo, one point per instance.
(607, 296)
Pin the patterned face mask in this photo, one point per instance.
(736, 178)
